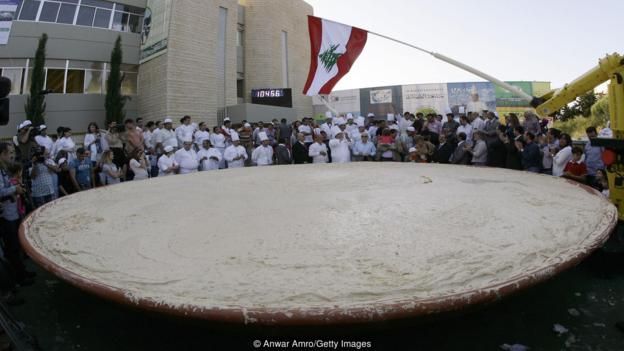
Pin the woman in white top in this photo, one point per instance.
(166, 163)
(561, 158)
(66, 143)
(93, 142)
(138, 165)
(110, 173)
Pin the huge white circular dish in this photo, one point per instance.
(319, 243)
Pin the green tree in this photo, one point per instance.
(115, 101)
(35, 102)
(582, 106)
(598, 118)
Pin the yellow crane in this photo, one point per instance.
(609, 68)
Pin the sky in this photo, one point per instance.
(528, 40)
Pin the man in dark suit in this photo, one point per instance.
(300, 151)
(443, 151)
(460, 156)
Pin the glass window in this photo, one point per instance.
(75, 81)
(29, 10)
(28, 80)
(85, 16)
(128, 68)
(129, 83)
(98, 3)
(15, 75)
(93, 82)
(102, 18)
(239, 38)
(75, 64)
(49, 11)
(55, 80)
(135, 23)
(66, 14)
(131, 9)
(120, 21)
(17, 11)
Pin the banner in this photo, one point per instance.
(344, 101)
(471, 97)
(155, 33)
(426, 98)
(381, 100)
(506, 99)
(8, 10)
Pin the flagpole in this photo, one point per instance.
(465, 67)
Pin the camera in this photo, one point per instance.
(39, 156)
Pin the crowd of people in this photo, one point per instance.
(38, 168)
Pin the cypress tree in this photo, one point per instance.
(114, 100)
(35, 103)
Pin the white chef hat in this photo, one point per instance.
(340, 121)
(234, 136)
(370, 114)
(328, 114)
(349, 115)
(412, 149)
(226, 119)
(187, 139)
(411, 129)
(168, 120)
(263, 136)
(390, 117)
(168, 148)
(247, 125)
(336, 130)
(62, 160)
(394, 126)
(360, 124)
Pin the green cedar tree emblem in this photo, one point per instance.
(329, 57)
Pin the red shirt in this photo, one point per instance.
(576, 169)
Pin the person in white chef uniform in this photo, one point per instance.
(235, 154)
(263, 154)
(166, 163)
(209, 157)
(186, 157)
(340, 147)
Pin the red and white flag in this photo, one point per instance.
(335, 47)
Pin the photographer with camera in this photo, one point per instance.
(11, 200)
(42, 179)
(25, 142)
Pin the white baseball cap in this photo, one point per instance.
(168, 120)
(168, 148)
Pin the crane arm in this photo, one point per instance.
(554, 100)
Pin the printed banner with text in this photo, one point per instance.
(155, 33)
(8, 9)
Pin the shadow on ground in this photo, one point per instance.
(586, 300)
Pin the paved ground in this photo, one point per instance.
(586, 300)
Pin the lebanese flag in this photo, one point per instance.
(335, 47)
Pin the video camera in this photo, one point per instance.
(5, 89)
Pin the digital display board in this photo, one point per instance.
(272, 97)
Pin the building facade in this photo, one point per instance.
(210, 55)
